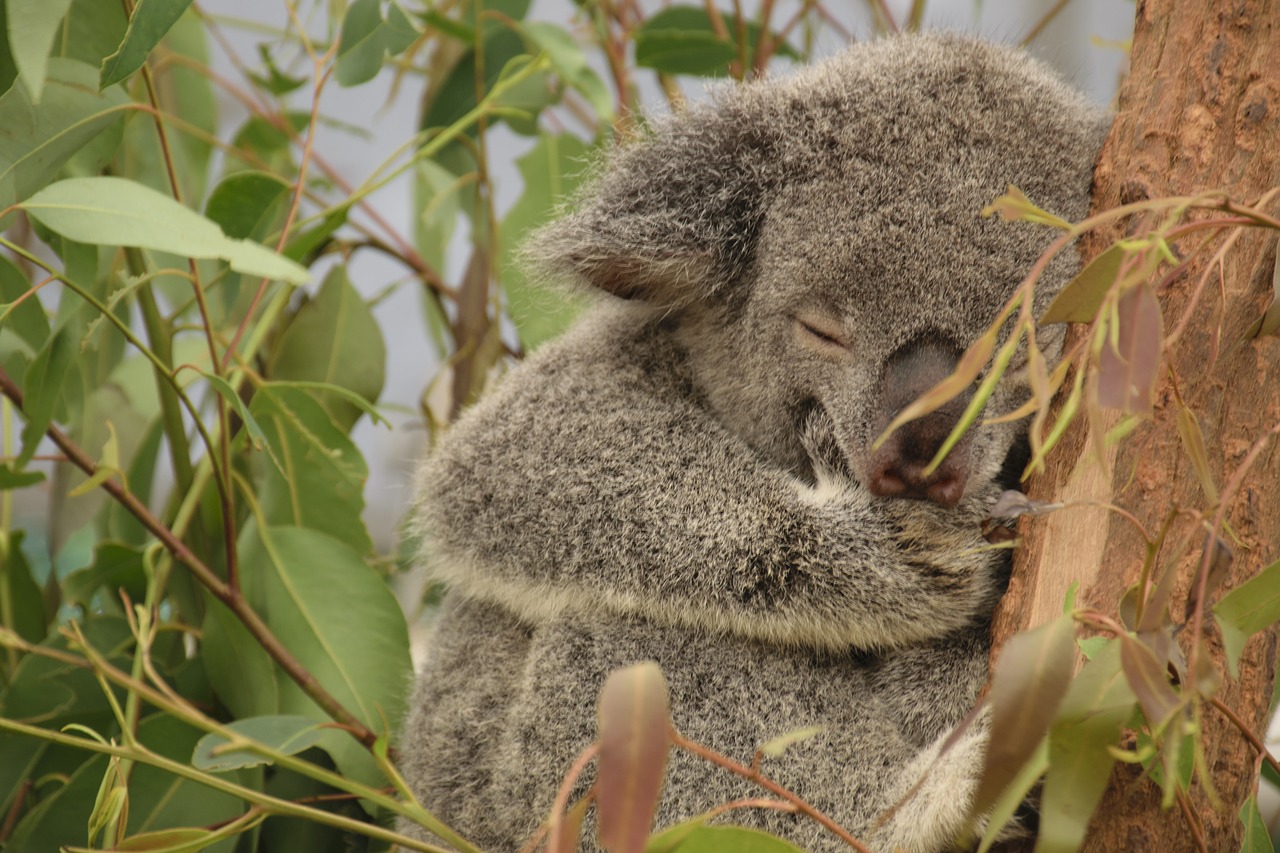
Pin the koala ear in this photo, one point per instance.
(672, 217)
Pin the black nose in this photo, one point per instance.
(897, 468)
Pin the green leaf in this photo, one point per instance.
(27, 320)
(1096, 707)
(436, 191)
(319, 479)
(1006, 805)
(241, 202)
(1030, 679)
(1256, 838)
(552, 170)
(570, 62)
(1246, 610)
(150, 20)
(39, 139)
(399, 32)
(362, 44)
(335, 339)
(224, 390)
(11, 479)
(45, 379)
(718, 839)
(777, 746)
(114, 566)
(455, 94)
(1080, 299)
(21, 601)
(320, 598)
(32, 24)
(241, 672)
(287, 734)
(634, 743)
(673, 51)
(275, 81)
(114, 211)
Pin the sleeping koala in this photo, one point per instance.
(688, 475)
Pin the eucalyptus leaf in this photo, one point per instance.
(552, 171)
(1246, 610)
(242, 200)
(319, 474)
(150, 20)
(335, 339)
(282, 733)
(39, 139)
(362, 44)
(113, 211)
(32, 25)
(321, 597)
(23, 610)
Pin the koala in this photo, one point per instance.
(689, 475)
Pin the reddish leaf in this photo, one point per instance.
(1129, 361)
(633, 755)
(570, 828)
(1149, 679)
(1030, 679)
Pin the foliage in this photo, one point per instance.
(201, 651)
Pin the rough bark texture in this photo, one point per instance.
(1199, 111)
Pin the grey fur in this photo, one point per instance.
(679, 478)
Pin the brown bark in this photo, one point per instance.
(1199, 111)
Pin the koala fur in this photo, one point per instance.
(686, 476)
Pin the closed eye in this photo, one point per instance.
(822, 331)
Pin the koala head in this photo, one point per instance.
(817, 245)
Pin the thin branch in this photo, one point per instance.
(1263, 753)
(763, 781)
(1044, 21)
(228, 595)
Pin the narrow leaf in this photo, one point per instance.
(1193, 443)
(150, 20)
(1130, 360)
(967, 370)
(1150, 682)
(634, 744)
(1006, 806)
(111, 211)
(1256, 838)
(777, 746)
(1098, 703)
(1030, 679)
(1014, 206)
(281, 733)
(1269, 322)
(723, 839)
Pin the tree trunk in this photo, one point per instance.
(1199, 111)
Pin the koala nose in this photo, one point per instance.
(896, 469)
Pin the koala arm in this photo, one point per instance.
(594, 478)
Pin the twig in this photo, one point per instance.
(562, 795)
(1044, 21)
(763, 781)
(1263, 753)
(228, 595)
